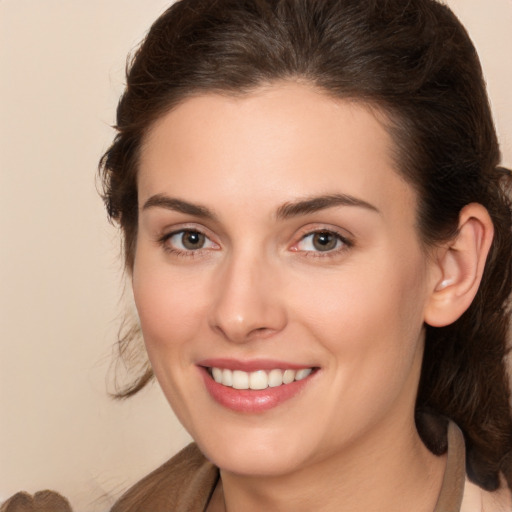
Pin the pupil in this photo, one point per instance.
(324, 241)
(193, 240)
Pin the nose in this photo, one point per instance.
(246, 302)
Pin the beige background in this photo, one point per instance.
(61, 72)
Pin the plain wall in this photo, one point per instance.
(61, 72)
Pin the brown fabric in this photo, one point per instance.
(452, 488)
(183, 484)
(42, 501)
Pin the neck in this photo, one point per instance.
(389, 470)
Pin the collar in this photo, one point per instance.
(452, 488)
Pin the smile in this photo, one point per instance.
(259, 379)
(254, 386)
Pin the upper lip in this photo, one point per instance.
(251, 365)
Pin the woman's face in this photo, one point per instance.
(277, 250)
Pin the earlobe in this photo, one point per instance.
(459, 266)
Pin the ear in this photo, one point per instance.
(458, 267)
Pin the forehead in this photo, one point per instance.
(283, 140)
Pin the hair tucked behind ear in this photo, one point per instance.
(464, 375)
(414, 62)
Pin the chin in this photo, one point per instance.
(255, 462)
(251, 454)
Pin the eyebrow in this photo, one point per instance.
(315, 204)
(178, 205)
(286, 211)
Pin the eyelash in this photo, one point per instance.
(193, 253)
(344, 242)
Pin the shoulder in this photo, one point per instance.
(478, 500)
(184, 482)
(458, 493)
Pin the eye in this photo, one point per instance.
(321, 241)
(188, 240)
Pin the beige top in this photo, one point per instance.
(458, 494)
(186, 482)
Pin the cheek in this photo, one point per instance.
(369, 313)
(170, 305)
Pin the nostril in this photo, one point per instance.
(262, 332)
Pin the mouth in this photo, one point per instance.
(259, 379)
(255, 387)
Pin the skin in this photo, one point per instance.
(259, 289)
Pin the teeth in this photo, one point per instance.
(240, 379)
(217, 375)
(227, 377)
(259, 379)
(302, 374)
(288, 376)
(275, 378)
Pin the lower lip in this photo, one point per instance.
(252, 401)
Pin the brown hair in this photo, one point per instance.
(414, 61)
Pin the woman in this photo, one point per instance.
(318, 234)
